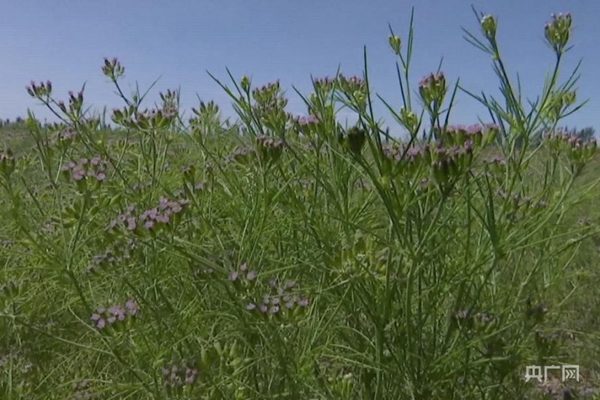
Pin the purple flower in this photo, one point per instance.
(117, 312)
(274, 309)
(113, 314)
(78, 175)
(163, 203)
(162, 218)
(131, 223)
(100, 322)
(191, 376)
(131, 307)
(307, 120)
(303, 302)
(179, 375)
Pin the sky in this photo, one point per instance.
(179, 41)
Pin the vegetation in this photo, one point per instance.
(289, 257)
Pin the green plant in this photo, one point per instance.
(291, 257)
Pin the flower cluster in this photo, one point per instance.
(178, 375)
(445, 161)
(432, 88)
(305, 120)
(207, 115)
(242, 155)
(167, 212)
(146, 119)
(269, 97)
(558, 31)
(115, 314)
(578, 150)
(324, 85)
(352, 85)
(564, 139)
(75, 103)
(39, 90)
(94, 168)
(110, 256)
(451, 162)
(66, 137)
(396, 152)
(269, 107)
(478, 134)
(170, 101)
(269, 149)
(355, 91)
(280, 300)
(113, 68)
(306, 125)
(127, 218)
(243, 275)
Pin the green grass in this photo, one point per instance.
(284, 258)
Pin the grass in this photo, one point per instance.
(289, 257)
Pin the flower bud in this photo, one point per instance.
(356, 139)
(395, 44)
(558, 32)
(245, 84)
(410, 119)
(488, 25)
(433, 88)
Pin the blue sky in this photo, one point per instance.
(65, 42)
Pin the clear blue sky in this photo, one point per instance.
(65, 41)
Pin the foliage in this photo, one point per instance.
(290, 257)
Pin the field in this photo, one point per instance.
(291, 257)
